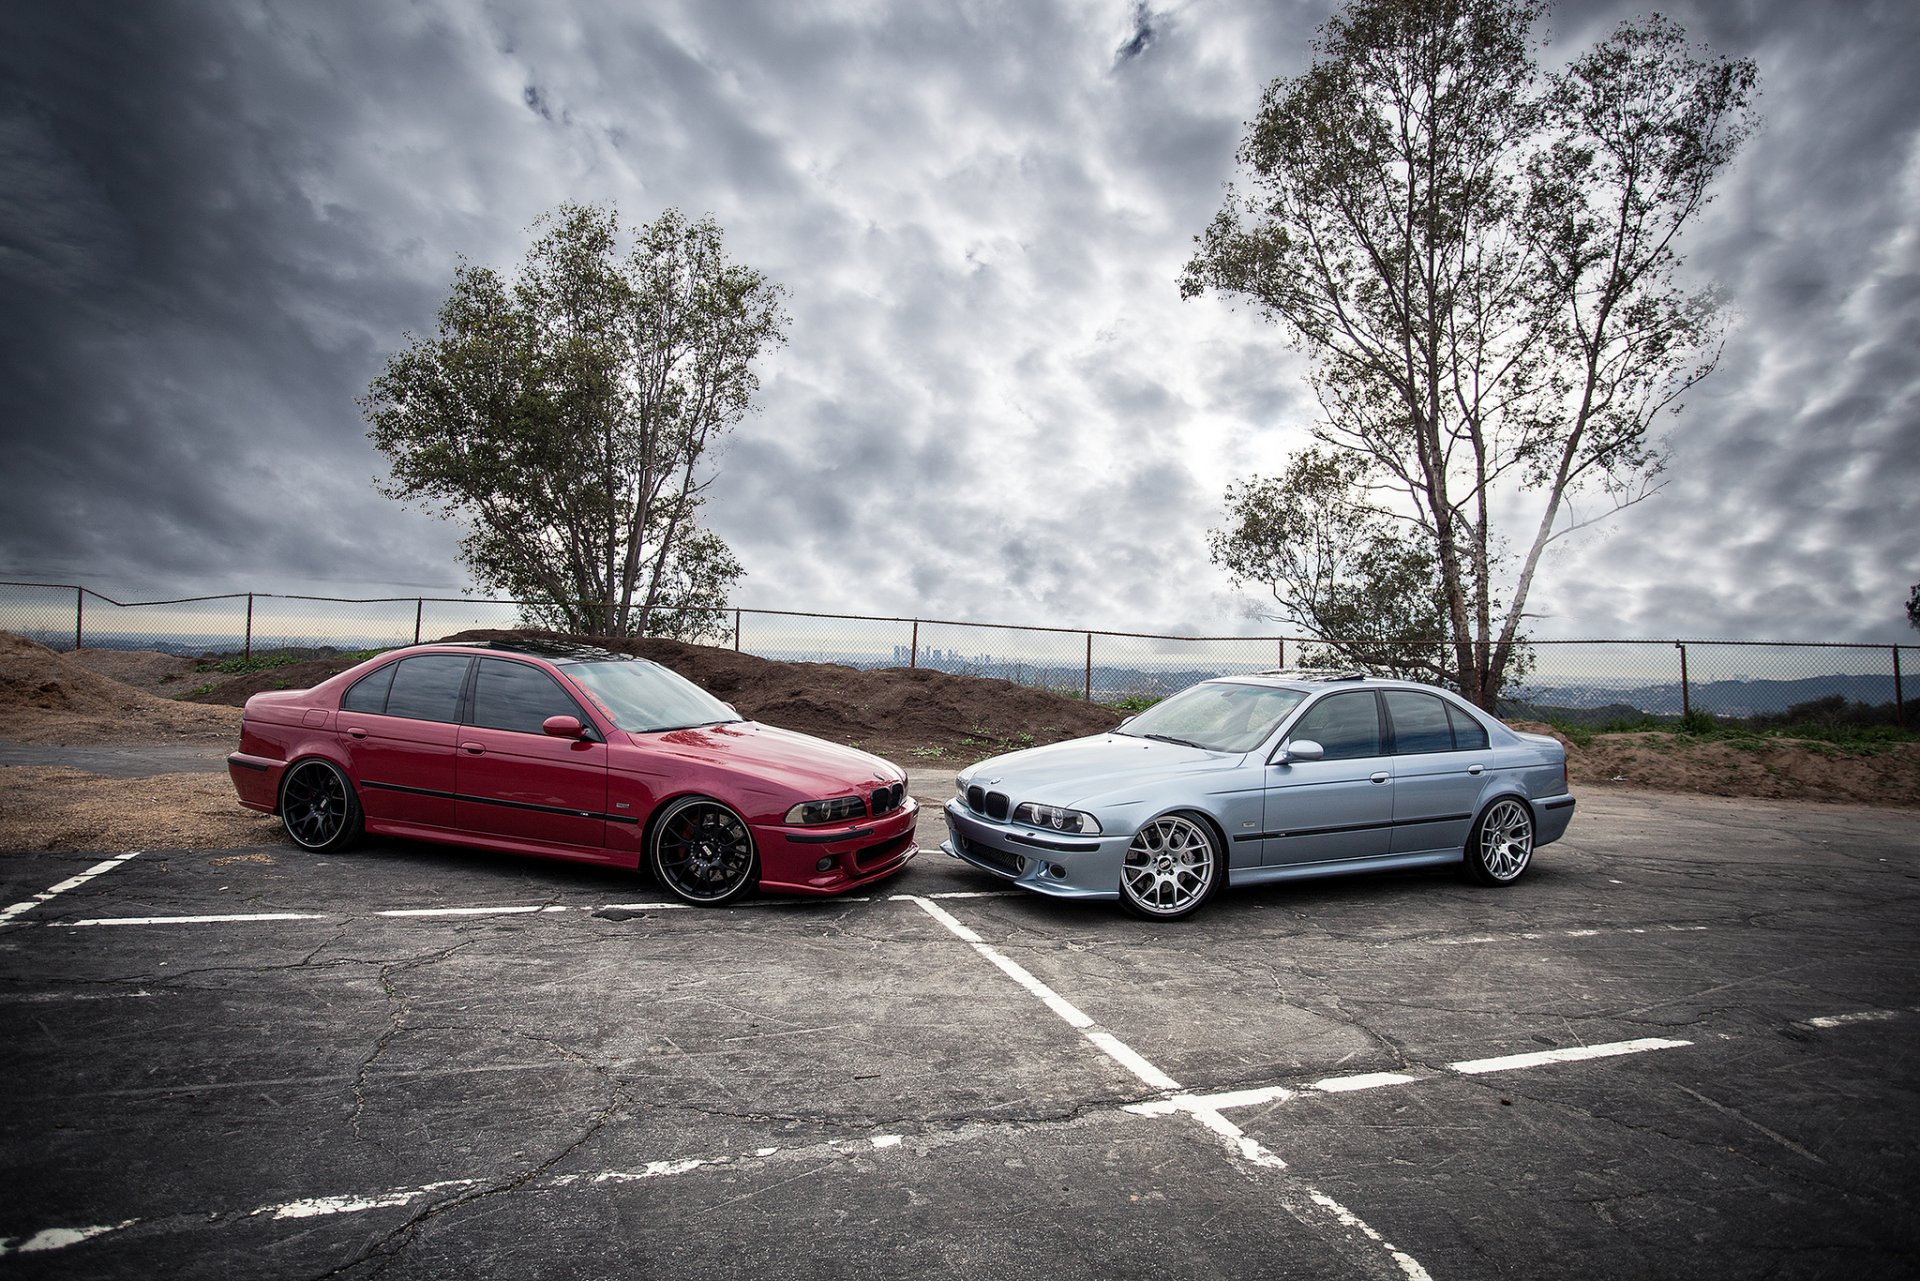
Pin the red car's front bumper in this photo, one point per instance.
(833, 860)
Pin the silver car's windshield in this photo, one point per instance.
(1220, 718)
(645, 698)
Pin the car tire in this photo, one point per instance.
(1172, 867)
(702, 853)
(1500, 847)
(318, 806)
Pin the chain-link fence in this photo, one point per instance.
(1610, 682)
(1595, 682)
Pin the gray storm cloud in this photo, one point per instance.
(216, 220)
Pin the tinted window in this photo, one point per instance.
(369, 693)
(517, 696)
(1469, 735)
(1419, 723)
(427, 688)
(1347, 725)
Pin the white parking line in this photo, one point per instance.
(194, 920)
(11, 914)
(533, 910)
(1584, 932)
(388, 1198)
(1569, 1054)
(1862, 1016)
(1242, 1144)
(1204, 1108)
(61, 1238)
(1229, 1099)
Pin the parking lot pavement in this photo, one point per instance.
(1683, 1045)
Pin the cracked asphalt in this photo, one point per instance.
(560, 1076)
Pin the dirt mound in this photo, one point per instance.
(1776, 768)
(144, 669)
(48, 698)
(233, 691)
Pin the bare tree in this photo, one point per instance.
(1481, 261)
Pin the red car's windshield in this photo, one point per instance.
(646, 698)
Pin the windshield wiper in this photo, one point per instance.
(1168, 738)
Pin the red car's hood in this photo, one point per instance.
(811, 767)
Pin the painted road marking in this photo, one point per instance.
(194, 920)
(11, 914)
(1239, 1142)
(388, 1198)
(470, 911)
(1862, 1016)
(1584, 932)
(1229, 1099)
(1570, 1054)
(1197, 1105)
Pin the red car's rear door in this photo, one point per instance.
(397, 728)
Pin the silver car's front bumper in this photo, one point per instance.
(1045, 862)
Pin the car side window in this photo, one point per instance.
(369, 693)
(1420, 723)
(518, 696)
(1469, 735)
(1347, 725)
(427, 688)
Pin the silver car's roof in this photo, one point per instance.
(1307, 678)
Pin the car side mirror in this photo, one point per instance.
(563, 727)
(1299, 749)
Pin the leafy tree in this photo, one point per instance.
(564, 418)
(1480, 260)
(1913, 605)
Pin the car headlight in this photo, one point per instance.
(837, 810)
(1055, 819)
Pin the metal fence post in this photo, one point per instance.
(913, 655)
(419, 610)
(246, 647)
(736, 631)
(1089, 684)
(1899, 698)
(79, 614)
(1686, 693)
(1283, 655)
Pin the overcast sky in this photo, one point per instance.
(217, 219)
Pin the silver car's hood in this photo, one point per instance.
(1082, 769)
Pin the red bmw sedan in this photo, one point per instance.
(576, 753)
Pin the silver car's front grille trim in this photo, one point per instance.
(993, 805)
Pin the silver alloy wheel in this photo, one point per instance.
(1170, 867)
(702, 852)
(1503, 841)
(317, 806)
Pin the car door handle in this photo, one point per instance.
(474, 749)
(1381, 778)
(1476, 769)
(356, 732)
